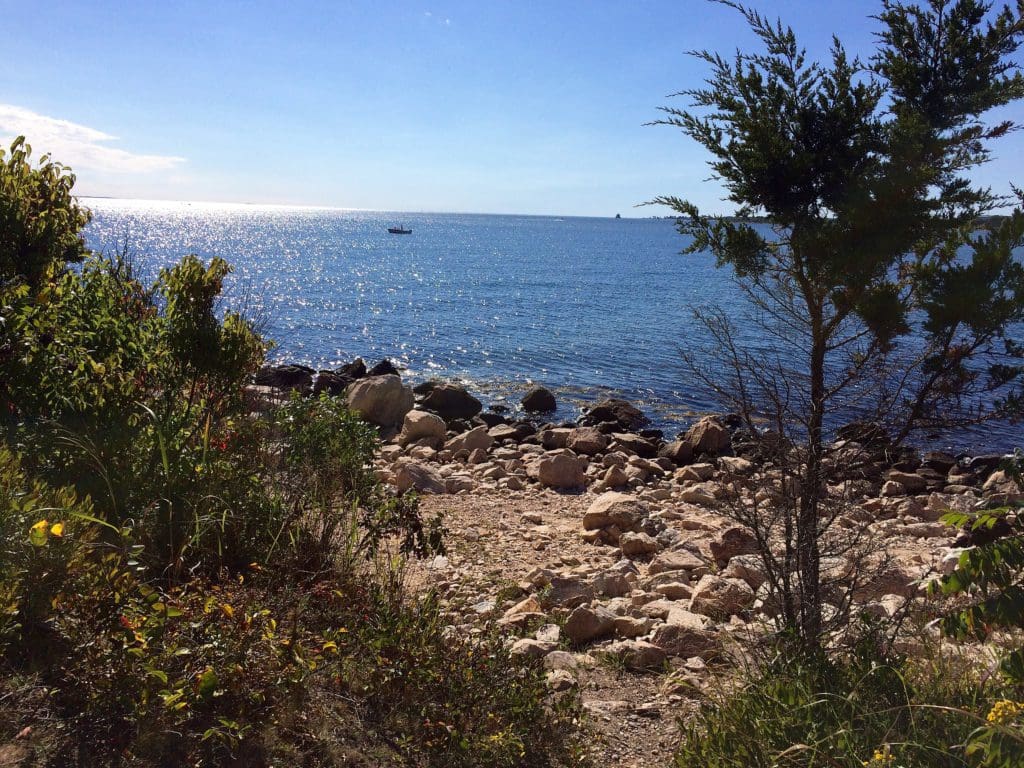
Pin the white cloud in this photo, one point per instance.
(74, 145)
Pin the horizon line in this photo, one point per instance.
(307, 207)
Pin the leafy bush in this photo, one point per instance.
(184, 582)
(40, 221)
(990, 578)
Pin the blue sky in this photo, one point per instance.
(510, 107)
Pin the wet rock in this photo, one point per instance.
(451, 402)
(289, 376)
(384, 368)
(354, 370)
(381, 400)
(330, 383)
(626, 417)
(538, 400)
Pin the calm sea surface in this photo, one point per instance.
(585, 306)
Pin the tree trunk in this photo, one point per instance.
(808, 552)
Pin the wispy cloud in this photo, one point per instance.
(77, 146)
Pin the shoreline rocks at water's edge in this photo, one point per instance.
(668, 577)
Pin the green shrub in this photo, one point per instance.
(864, 710)
(989, 581)
(40, 221)
(40, 540)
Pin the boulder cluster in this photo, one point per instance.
(675, 576)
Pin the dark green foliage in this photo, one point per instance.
(991, 575)
(861, 168)
(40, 221)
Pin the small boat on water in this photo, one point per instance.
(399, 231)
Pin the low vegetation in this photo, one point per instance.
(188, 580)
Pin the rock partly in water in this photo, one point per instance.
(285, 377)
(384, 368)
(450, 402)
(625, 416)
(538, 400)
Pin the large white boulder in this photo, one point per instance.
(381, 400)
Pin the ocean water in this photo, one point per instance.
(586, 306)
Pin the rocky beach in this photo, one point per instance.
(611, 552)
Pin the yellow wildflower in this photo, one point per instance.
(882, 758)
(1004, 710)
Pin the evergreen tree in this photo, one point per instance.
(874, 255)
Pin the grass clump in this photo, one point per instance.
(855, 709)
